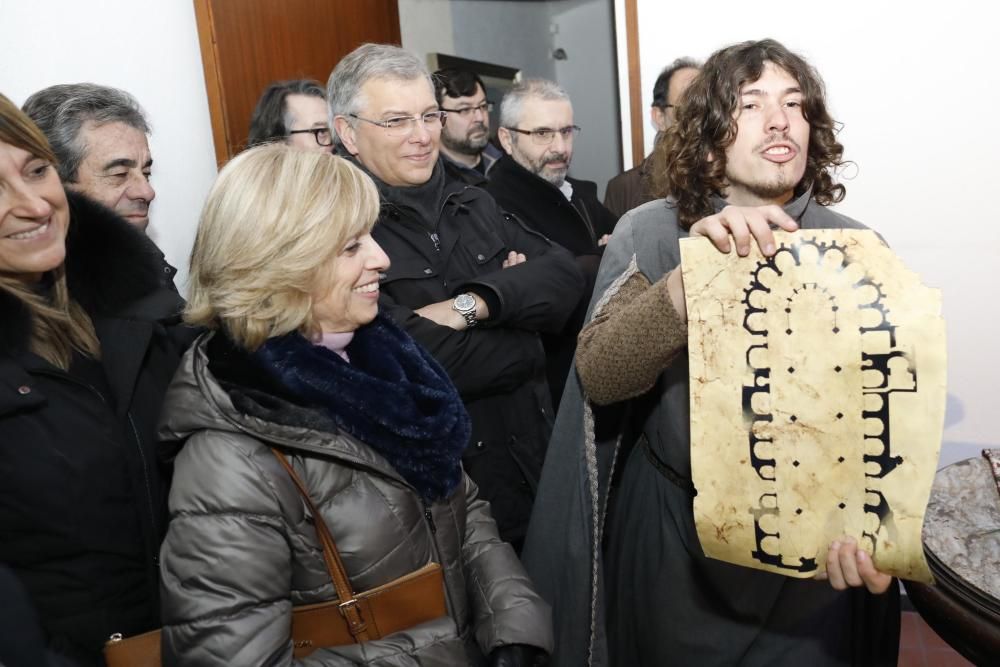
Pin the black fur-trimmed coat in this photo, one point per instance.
(82, 494)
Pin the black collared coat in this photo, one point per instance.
(499, 365)
(83, 496)
(627, 578)
(576, 224)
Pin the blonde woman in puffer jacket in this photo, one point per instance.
(285, 275)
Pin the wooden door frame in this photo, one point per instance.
(637, 122)
(213, 86)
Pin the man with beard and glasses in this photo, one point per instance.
(469, 282)
(754, 146)
(465, 138)
(100, 137)
(531, 181)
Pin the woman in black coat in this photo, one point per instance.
(87, 348)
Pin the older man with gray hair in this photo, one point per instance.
(99, 134)
(532, 182)
(470, 282)
(100, 137)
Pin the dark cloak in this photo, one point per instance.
(649, 596)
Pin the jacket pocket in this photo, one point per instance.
(484, 249)
(408, 267)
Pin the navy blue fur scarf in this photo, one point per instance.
(392, 396)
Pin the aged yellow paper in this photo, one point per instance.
(817, 401)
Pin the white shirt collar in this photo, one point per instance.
(567, 190)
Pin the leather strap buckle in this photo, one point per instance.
(351, 612)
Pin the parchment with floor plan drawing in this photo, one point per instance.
(817, 401)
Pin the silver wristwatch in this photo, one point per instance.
(465, 305)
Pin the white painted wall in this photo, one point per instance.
(147, 47)
(916, 87)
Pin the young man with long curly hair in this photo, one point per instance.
(753, 148)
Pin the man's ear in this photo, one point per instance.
(346, 133)
(658, 117)
(506, 140)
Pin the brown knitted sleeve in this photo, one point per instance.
(630, 341)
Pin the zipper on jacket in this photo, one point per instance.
(430, 518)
(436, 240)
(436, 555)
(581, 211)
(149, 491)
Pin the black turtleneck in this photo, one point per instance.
(426, 199)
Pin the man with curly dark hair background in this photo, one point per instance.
(754, 147)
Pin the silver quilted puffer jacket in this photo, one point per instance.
(241, 548)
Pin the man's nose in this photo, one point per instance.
(141, 188)
(421, 134)
(561, 142)
(777, 119)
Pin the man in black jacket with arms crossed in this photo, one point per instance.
(468, 281)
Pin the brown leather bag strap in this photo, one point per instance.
(338, 574)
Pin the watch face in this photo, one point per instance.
(464, 302)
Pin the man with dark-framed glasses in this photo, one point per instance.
(532, 182)
(465, 139)
(293, 112)
(468, 281)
